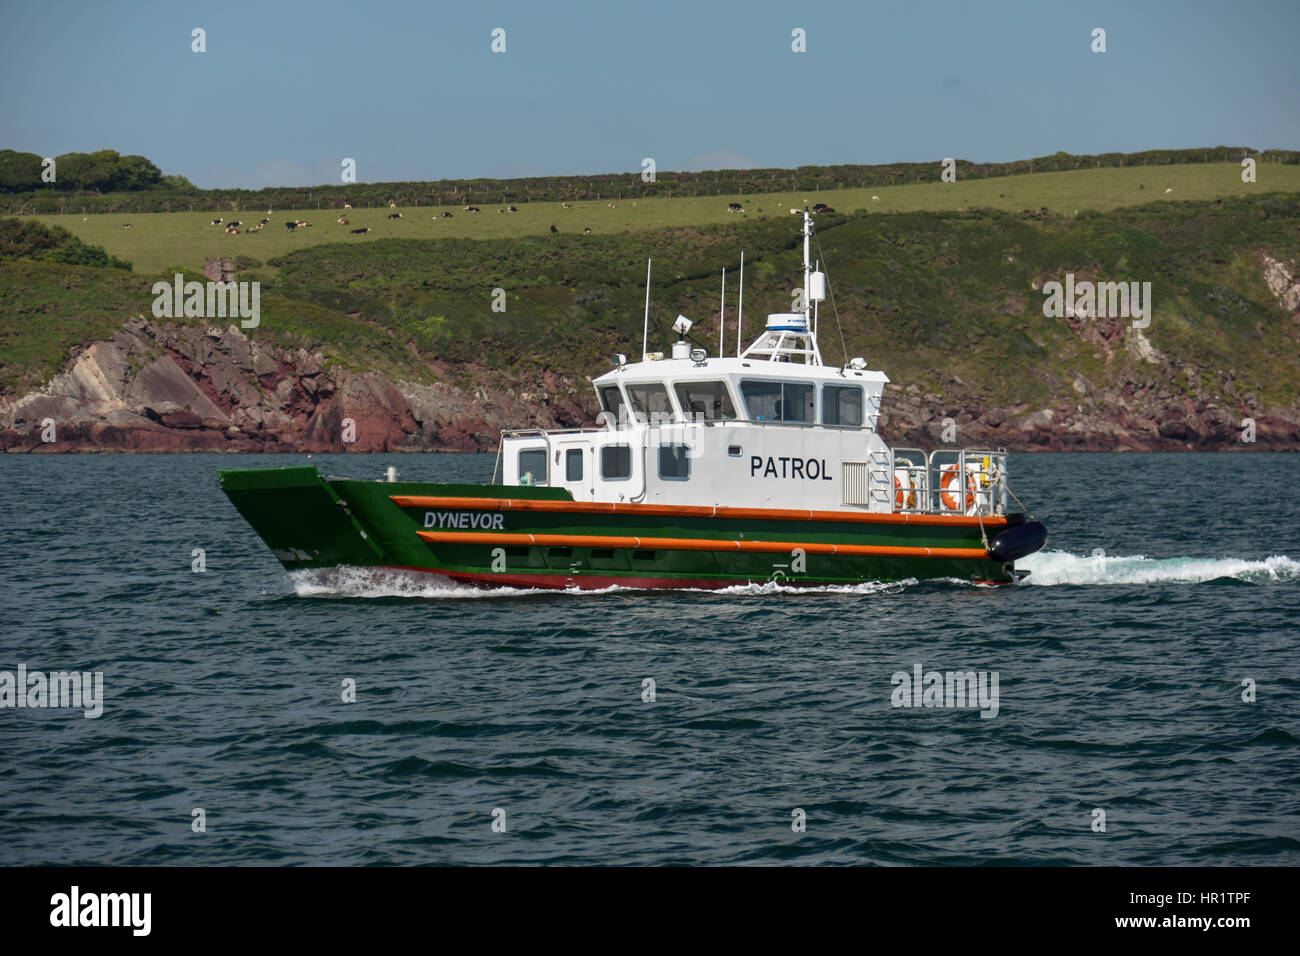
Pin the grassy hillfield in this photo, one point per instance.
(160, 241)
(937, 284)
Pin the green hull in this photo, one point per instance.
(311, 522)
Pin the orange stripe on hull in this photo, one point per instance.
(695, 544)
(686, 511)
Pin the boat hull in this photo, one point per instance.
(536, 537)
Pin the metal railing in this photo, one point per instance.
(911, 481)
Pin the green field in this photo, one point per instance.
(159, 241)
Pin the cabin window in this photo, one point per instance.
(674, 462)
(778, 401)
(611, 399)
(616, 462)
(533, 460)
(650, 402)
(573, 464)
(842, 405)
(705, 401)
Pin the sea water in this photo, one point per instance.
(1146, 677)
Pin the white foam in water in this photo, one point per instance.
(1045, 567)
(1061, 567)
(352, 582)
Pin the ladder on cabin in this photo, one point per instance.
(873, 411)
(882, 478)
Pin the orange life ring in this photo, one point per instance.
(949, 499)
(898, 492)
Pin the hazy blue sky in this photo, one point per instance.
(411, 89)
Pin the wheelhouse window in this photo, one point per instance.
(573, 464)
(611, 399)
(650, 402)
(674, 463)
(778, 401)
(616, 462)
(842, 405)
(533, 461)
(706, 401)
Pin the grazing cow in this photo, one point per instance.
(360, 232)
(446, 215)
(1169, 190)
(794, 212)
(232, 231)
(587, 231)
(875, 199)
(394, 215)
(302, 223)
(290, 225)
(735, 207)
(821, 207)
(567, 205)
(128, 226)
(472, 209)
(347, 205)
(342, 221)
(264, 222)
(216, 222)
(553, 229)
(392, 205)
(511, 209)
(234, 222)
(611, 205)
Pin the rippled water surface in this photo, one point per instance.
(1168, 581)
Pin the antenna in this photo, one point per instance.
(816, 267)
(740, 311)
(645, 332)
(722, 313)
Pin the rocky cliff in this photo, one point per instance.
(160, 387)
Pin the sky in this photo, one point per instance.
(412, 90)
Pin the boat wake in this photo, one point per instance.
(1061, 567)
(368, 583)
(1047, 568)
(353, 582)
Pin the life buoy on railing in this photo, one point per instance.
(948, 498)
(898, 488)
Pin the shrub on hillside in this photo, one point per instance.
(29, 239)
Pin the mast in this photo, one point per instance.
(740, 309)
(807, 267)
(722, 314)
(645, 333)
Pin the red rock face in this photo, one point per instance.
(158, 387)
(180, 388)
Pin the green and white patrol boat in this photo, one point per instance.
(702, 472)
